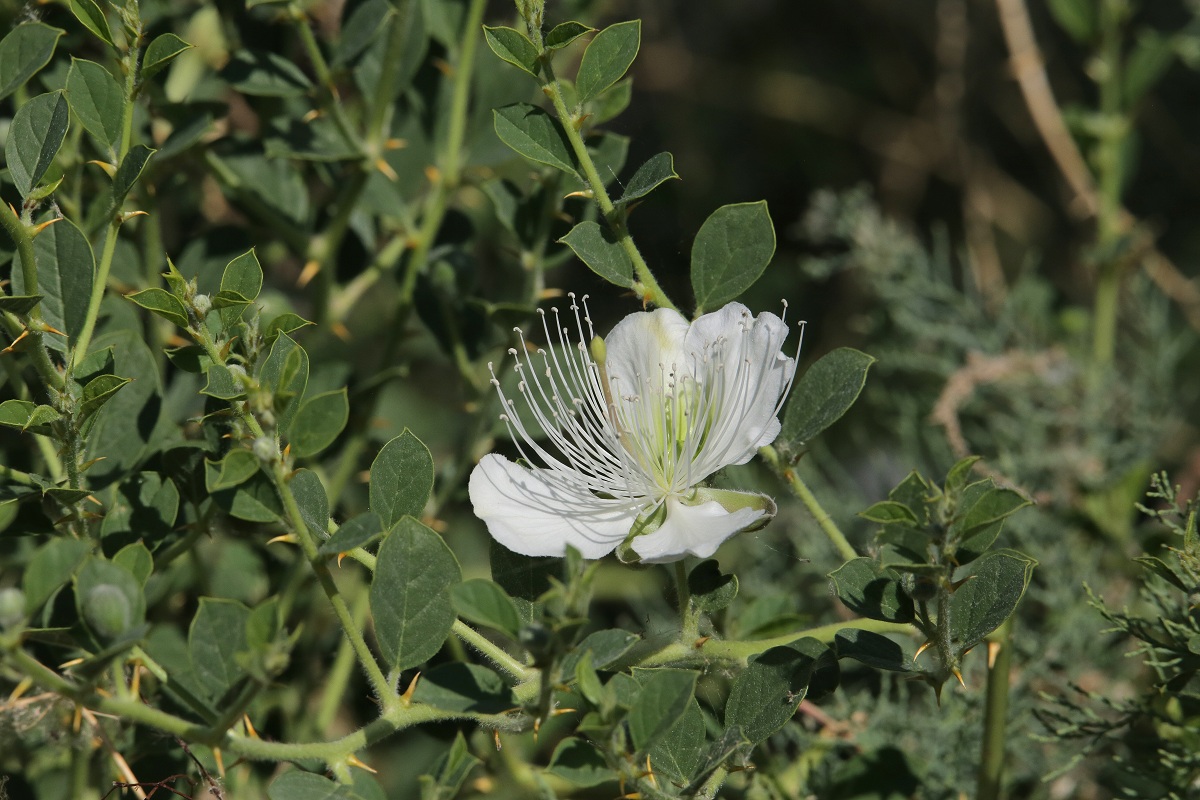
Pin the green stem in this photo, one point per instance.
(100, 282)
(689, 620)
(366, 659)
(16, 476)
(647, 286)
(24, 242)
(324, 75)
(687, 651)
(377, 117)
(308, 545)
(394, 718)
(494, 654)
(991, 770)
(826, 523)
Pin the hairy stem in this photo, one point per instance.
(826, 523)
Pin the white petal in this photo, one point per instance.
(756, 374)
(531, 514)
(692, 531)
(642, 346)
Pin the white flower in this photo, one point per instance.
(634, 425)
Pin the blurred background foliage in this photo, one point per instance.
(921, 217)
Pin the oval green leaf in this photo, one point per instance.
(34, 137)
(401, 479)
(595, 247)
(410, 594)
(607, 58)
(23, 52)
(732, 249)
(823, 394)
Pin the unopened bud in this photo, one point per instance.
(12, 607)
(265, 449)
(202, 303)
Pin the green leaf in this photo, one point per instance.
(872, 591)
(265, 74)
(306, 487)
(526, 577)
(484, 603)
(664, 698)
(50, 568)
(285, 374)
(221, 383)
(888, 512)
(109, 599)
(162, 303)
(97, 100)
(20, 304)
(90, 13)
(297, 785)
(611, 103)
(23, 52)
(984, 602)
(144, 504)
(732, 249)
(564, 33)
(657, 170)
(608, 151)
(677, 753)
(410, 594)
(992, 505)
(128, 173)
(358, 531)
(98, 392)
(28, 416)
(450, 771)
(160, 52)
(234, 469)
(824, 393)
(318, 422)
(34, 137)
(603, 647)
(581, 763)
(767, 692)
(514, 47)
(136, 558)
(216, 636)
(595, 247)
(240, 282)
(1076, 17)
(871, 649)
(464, 687)
(711, 590)
(122, 430)
(190, 358)
(401, 479)
(287, 322)
(1149, 60)
(254, 500)
(607, 58)
(534, 134)
(65, 264)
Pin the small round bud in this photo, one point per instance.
(267, 418)
(107, 612)
(12, 607)
(265, 449)
(202, 303)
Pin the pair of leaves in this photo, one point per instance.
(605, 61)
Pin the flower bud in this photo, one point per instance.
(265, 449)
(107, 612)
(203, 304)
(12, 607)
